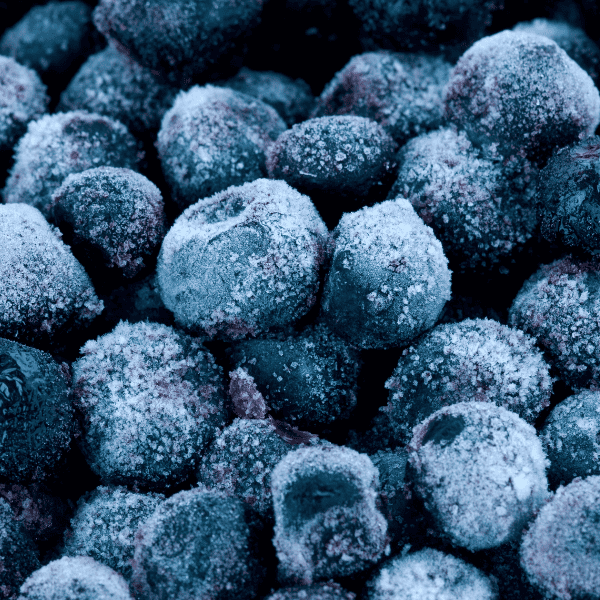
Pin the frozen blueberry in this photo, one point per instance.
(54, 39)
(76, 578)
(571, 437)
(573, 40)
(389, 278)
(560, 551)
(37, 415)
(558, 306)
(44, 291)
(429, 574)
(198, 544)
(401, 91)
(151, 399)
(424, 24)
(112, 218)
(309, 380)
(291, 98)
(18, 556)
(474, 360)
(568, 195)
(61, 144)
(181, 39)
(243, 261)
(41, 513)
(213, 138)
(523, 94)
(341, 157)
(317, 591)
(22, 99)
(481, 472)
(241, 459)
(480, 212)
(105, 523)
(326, 521)
(110, 83)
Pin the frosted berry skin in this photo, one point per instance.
(105, 523)
(291, 98)
(74, 578)
(110, 217)
(213, 138)
(240, 461)
(400, 91)
(326, 521)
(53, 39)
(198, 544)
(243, 261)
(560, 551)
(151, 400)
(481, 472)
(180, 40)
(37, 415)
(18, 556)
(112, 84)
(308, 380)
(22, 99)
(568, 198)
(341, 155)
(474, 360)
(59, 145)
(44, 291)
(573, 40)
(317, 591)
(558, 306)
(424, 24)
(571, 437)
(429, 574)
(523, 94)
(389, 278)
(482, 211)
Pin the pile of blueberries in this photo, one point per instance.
(299, 300)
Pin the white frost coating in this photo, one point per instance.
(481, 472)
(152, 400)
(560, 552)
(22, 98)
(389, 278)
(77, 578)
(326, 521)
(43, 288)
(429, 575)
(243, 261)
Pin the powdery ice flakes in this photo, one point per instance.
(482, 210)
(75, 578)
(558, 305)
(151, 400)
(44, 291)
(481, 472)
(112, 218)
(400, 91)
(244, 261)
(213, 138)
(105, 523)
(317, 591)
(473, 360)
(61, 144)
(560, 551)
(522, 94)
(429, 575)
(199, 545)
(22, 99)
(326, 521)
(389, 278)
